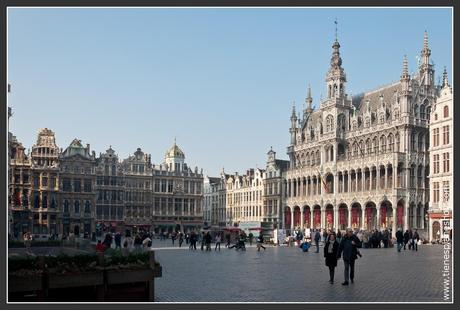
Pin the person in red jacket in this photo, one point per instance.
(100, 248)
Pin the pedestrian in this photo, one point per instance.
(348, 249)
(28, 242)
(173, 237)
(137, 243)
(260, 241)
(202, 240)
(324, 235)
(399, 239)
(339, 236)
(218, 240)
(330, 254)
(251, 236)
(317, 238)
(415, 238)
(406, 238)
(181, 239)
(187, 238)
(386, 237)
(228, 238)
(208, 239)
(193, 238)
(146, 243)
(108, 240)
(410, 239)
(100, 248)
(117, 241)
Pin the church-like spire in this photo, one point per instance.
(293, 115)
(445, 80)
(426, 52)
(309, 100)
(336, 78)
(405, 70)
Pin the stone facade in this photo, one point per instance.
(441, 158)
(77, 179)
(362, 161)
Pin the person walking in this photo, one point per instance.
(331, 249)
(181, 239)
(251, 236)
(386, 237)
(208, 240)
(410, 239)
(339, 236)
(348, 249)
(399, 239)
(218, 240)
(137, 243)
(187, 238)
(117, 241)
(260, 241)
(228, 238)
(202, 240)
(317, 238)
(415, 238)
(406, 239)
(173, 237)
(193, 238)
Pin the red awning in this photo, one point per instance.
(232, 228)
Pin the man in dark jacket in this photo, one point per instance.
(399, 239)
(348, 249)
(317, 238)
(406, 238)
(415, 238)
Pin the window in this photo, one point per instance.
(66, 206)
(446, 111)
(87, 206)
(412, 142)
(44, 181)
(397, 142)
(87, 186)
(445, 134)
(445, 191)
(66, 185)
(329, 123)
(445, 162)
(36, 181)
(391, 143)
(76, 206)
(376, 145)
(157, 185)
(170, 186)
(163, 186)
(436, 192)
(436, 163)
(77, 186)
(436, 116)
(435, 136)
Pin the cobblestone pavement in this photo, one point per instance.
(286, 274)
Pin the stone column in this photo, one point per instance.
(378, 218)
(385, 181)
(406, 216)
(414, 220)
(377, 175)
(323, 217)
(301, 218)
(336, 218)
(349, 217)
(292, 220)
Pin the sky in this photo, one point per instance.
(220, 81)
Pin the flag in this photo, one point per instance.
(324, 183)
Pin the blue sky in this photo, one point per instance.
(221, 81)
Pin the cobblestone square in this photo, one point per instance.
(286, 274)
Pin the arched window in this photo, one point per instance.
(446, 111)
(397, 141)
(114, 170)
(87, 206)
(376, 145)
(355, 149)
(368, 146)
(383, 144)
(396, 114)
(329, 123)
(390, 142)
(416, 110)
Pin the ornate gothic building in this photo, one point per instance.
(362, 162)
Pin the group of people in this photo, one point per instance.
(141, 241)
(409, 239)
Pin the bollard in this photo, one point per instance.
(151, 284)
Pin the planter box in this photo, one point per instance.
(130, 276)
(75, 280)
(24, 283)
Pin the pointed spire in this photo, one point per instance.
(405, 70)
(335, 22)
(425, 41)
(309, 99)
(293, 110)
(445, 80)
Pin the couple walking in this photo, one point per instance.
(347, 249)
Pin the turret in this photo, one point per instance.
(426, 69)
(293, 128)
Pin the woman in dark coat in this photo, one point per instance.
(330, 253)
